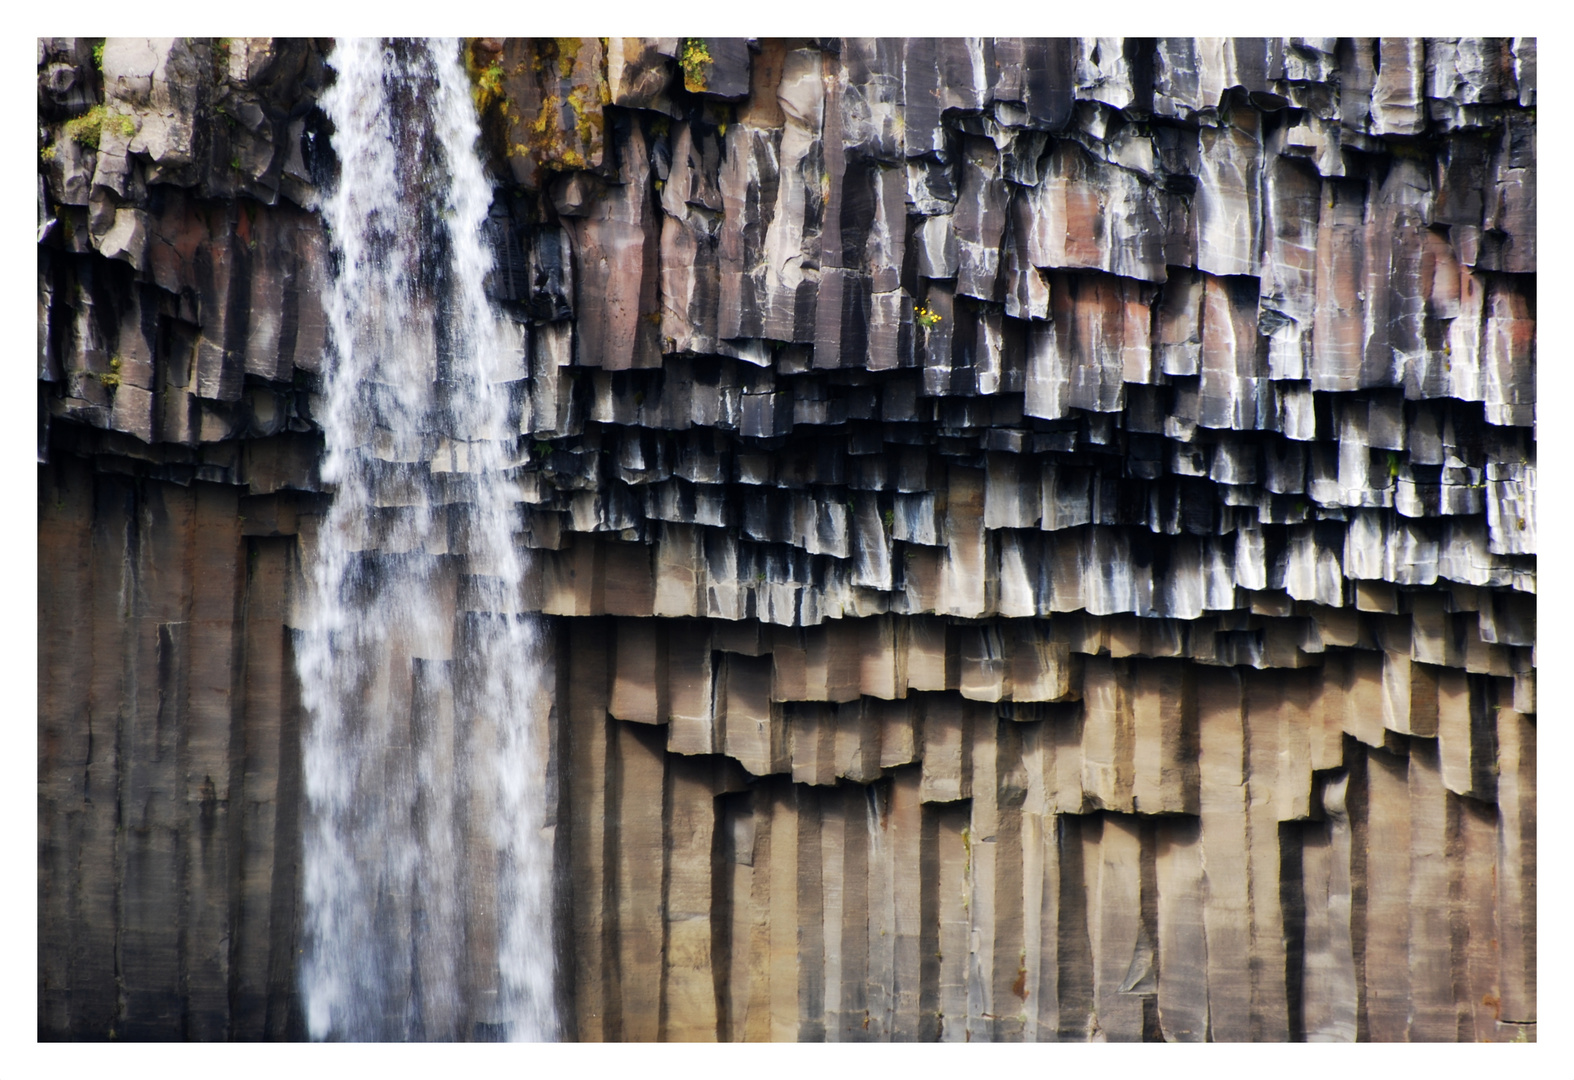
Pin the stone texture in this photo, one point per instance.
(1039, 536)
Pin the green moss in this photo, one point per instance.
(486, 71)
(85, 130)
(695, 61)
(219, 59)
(489, 85)
(98, 54)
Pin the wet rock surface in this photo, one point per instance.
(1039, 535)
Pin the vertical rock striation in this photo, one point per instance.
(1037, 538)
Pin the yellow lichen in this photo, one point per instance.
(590, 120)
(544, 121)
(567, 51)
(695, 61)
(486, 80)
(489, 87)
(567, 129)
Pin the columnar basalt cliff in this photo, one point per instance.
(1034, 539)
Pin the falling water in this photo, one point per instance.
(427, 871)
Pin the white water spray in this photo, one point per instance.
(427, 872)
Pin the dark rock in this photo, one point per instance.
(1024, 427)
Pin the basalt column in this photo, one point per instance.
(841, 539)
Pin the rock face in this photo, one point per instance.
(1039, 535)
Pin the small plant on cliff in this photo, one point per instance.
(85, 130)
(484, 64)
(111, 378)
(694, 59)
(926, 318)
(488, 86)
(219, 59)
(98, 54)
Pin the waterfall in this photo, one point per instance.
(427, 869)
